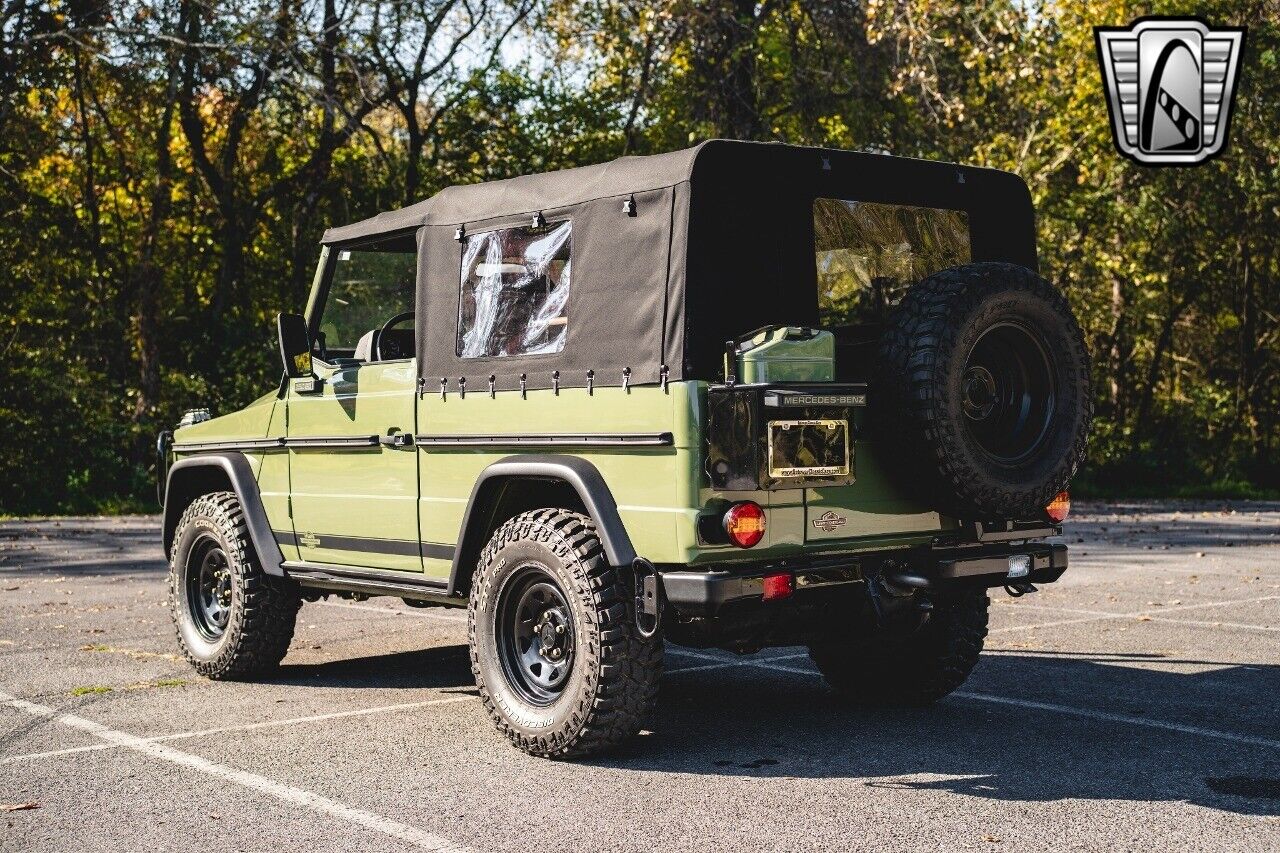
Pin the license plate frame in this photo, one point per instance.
(837, 465)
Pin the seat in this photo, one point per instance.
(365, 347)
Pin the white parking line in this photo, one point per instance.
(261, 784)
(1086, 713)
(359, 712)
(1151, 615)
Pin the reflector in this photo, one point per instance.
(1059, 508)
(777, 586)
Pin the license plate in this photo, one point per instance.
(805, 449)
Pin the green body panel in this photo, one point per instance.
(653, 486)
(387, 499)
(344, 496)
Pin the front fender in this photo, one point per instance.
(215, 472)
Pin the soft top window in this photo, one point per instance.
(515, 285)
(868, 254)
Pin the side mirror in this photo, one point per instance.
(295, 345)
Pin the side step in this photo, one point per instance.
(330, 578)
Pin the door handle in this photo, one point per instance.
(396, 438)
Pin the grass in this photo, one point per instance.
(141, 685)
(91, 690)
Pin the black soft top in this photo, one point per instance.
(674, 254)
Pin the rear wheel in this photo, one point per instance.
(233, 619)
(560, 665)
(918, 669)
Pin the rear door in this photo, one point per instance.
(867, 254)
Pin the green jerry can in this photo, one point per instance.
(786, 354)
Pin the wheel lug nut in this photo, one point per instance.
(559, 629)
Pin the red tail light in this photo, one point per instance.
(777, 586)
(744, 522)
(1059, 508)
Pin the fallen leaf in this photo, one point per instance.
(18, 807)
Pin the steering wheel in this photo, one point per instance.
(382, 333)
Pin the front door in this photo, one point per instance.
(352, 466)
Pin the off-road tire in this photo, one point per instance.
(916, 670)
(918, 388)
(613, 683)
(263, 608)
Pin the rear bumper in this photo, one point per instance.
(706, 592)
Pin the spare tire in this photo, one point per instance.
(983, 384)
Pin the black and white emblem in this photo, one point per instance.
(1169, 84)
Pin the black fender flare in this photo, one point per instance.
(580, 475)
(214, 472)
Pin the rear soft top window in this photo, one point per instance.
(868, 254)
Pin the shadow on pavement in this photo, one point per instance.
(436, 667)
(763, 723)
(749, 721)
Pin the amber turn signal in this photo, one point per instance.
(744, 522)
(1059, 508)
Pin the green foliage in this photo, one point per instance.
(167, 167)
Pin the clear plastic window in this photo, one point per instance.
(868, 254)
(515, 285)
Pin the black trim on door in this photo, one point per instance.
(366, 545)
(241, 444)
(357, 442)
(561, 439)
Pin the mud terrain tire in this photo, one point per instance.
(915, 670)
(602, 680)
(233, 620)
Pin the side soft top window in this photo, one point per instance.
(514, 289)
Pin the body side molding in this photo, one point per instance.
(189, 478)
(580, 475)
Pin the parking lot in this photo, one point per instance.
(1133, 705)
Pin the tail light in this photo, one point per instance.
(1059, 508)
(777, 586)
(744, 522)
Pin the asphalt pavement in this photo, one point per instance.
(1134, 705)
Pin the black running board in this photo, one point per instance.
(324, 576)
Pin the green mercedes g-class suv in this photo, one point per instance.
(738, 396)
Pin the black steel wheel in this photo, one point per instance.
(535, 635)
(209, 587)
(1008, 392)
(561, 667)
(233, 619)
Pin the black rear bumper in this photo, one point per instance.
(705, 592)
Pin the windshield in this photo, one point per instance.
(868, 254)
(369, 285)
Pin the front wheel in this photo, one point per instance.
(233, 619)
(555, 652)
(917, 669)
